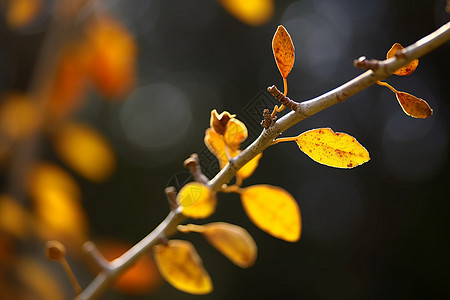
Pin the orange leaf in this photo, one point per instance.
(113, 61)
(69, 84)
(413, 106)
(333, 149)
(231, 240)
(86, 151)
(405, 70)
(180, 264)
(197, 200)
(274, 210)
(140, 278)
(251, 12)
(283, 51)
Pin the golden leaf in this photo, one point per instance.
(180, 264)
(19, 117)
(235, 133)
(197, 200)
(141, 278)
(231, 240)
(283, 51)
(274, 210)
(251, 12)
(333, 149)
(86, 151)
(37, 279)
(413, 106)
(405, 70)
(20, 13)
(13, 217)
(250, 167)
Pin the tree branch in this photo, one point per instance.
(306, 109)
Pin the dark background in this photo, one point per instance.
(378, 231)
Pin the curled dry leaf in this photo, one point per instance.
(197, 200)
(413, 106)
(405, 70)
(274, 210)
(180, 264)
(283, 51)
(333, 149)
(231, 240)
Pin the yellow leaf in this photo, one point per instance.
(235, 133)
(19, 117)
(251, 12)
(56, 199)
(21, 13)
(250, 167)
(216, 144)
(37, 278)
(406, 70)
(333, 149)
(13, 217)
(413, 106)
(180, 264)
(283, 51)
(86, 151)
(197, 200)
(274, 210)
(231, 240)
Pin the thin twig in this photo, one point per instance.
(306, 109)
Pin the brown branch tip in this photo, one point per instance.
(282, 98)
(367, 64)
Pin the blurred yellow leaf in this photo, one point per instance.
(413, 106)
(180, 264)
(406, 70)
(39, 281)
(19, 116)
(197, 200)
(113, 57)
(333, 149)
(141, 278)
(47, 176)
(251, 12)
(274, 210)
(86, 151)
(56, 198)
(250, 167)
(283, 51)
(13, 217)
(20, 13)
(231, 240)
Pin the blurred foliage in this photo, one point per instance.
(126, 98)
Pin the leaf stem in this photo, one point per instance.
(382, 83)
